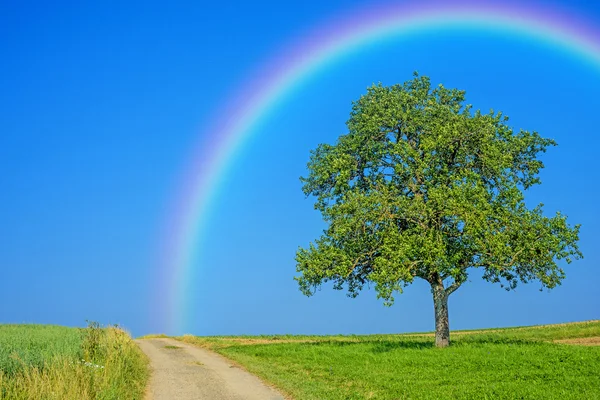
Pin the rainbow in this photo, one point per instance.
(241, 116)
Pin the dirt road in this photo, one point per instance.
(184, 372)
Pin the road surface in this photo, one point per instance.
(181, 371)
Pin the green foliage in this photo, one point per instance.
(93, 342)
(422, 186)
(513, 363)
(54, 362)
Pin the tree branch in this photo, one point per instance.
(450, 289)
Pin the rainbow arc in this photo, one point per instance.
(201, 183)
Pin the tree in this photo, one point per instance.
(423, 187)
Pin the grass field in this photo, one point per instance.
(54, 362)
(513, 363)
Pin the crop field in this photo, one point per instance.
(512, 363)
(33, 345)
(55, 362)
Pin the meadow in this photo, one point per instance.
(55, 362)
(512, 363)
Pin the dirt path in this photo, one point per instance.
(182, 371)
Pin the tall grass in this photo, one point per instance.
(33, 345)
(66, 363)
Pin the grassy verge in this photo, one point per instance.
(52, 362)
(517, 363)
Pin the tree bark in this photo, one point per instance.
(440, 305)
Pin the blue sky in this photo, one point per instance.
(100, 106)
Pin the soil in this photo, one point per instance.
(184, 372)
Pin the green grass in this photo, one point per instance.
(33, 345)
(514, 363)
(53, 362)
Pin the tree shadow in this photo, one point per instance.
(387, 346)
(492, 339)
(379, 345)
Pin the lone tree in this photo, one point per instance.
(423, 187)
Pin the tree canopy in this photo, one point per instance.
(422, 186)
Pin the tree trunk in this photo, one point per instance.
(440, 305)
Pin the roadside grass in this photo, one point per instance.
(509, 363)
(154, 336)
(54, 362)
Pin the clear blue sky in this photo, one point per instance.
(101, 104)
